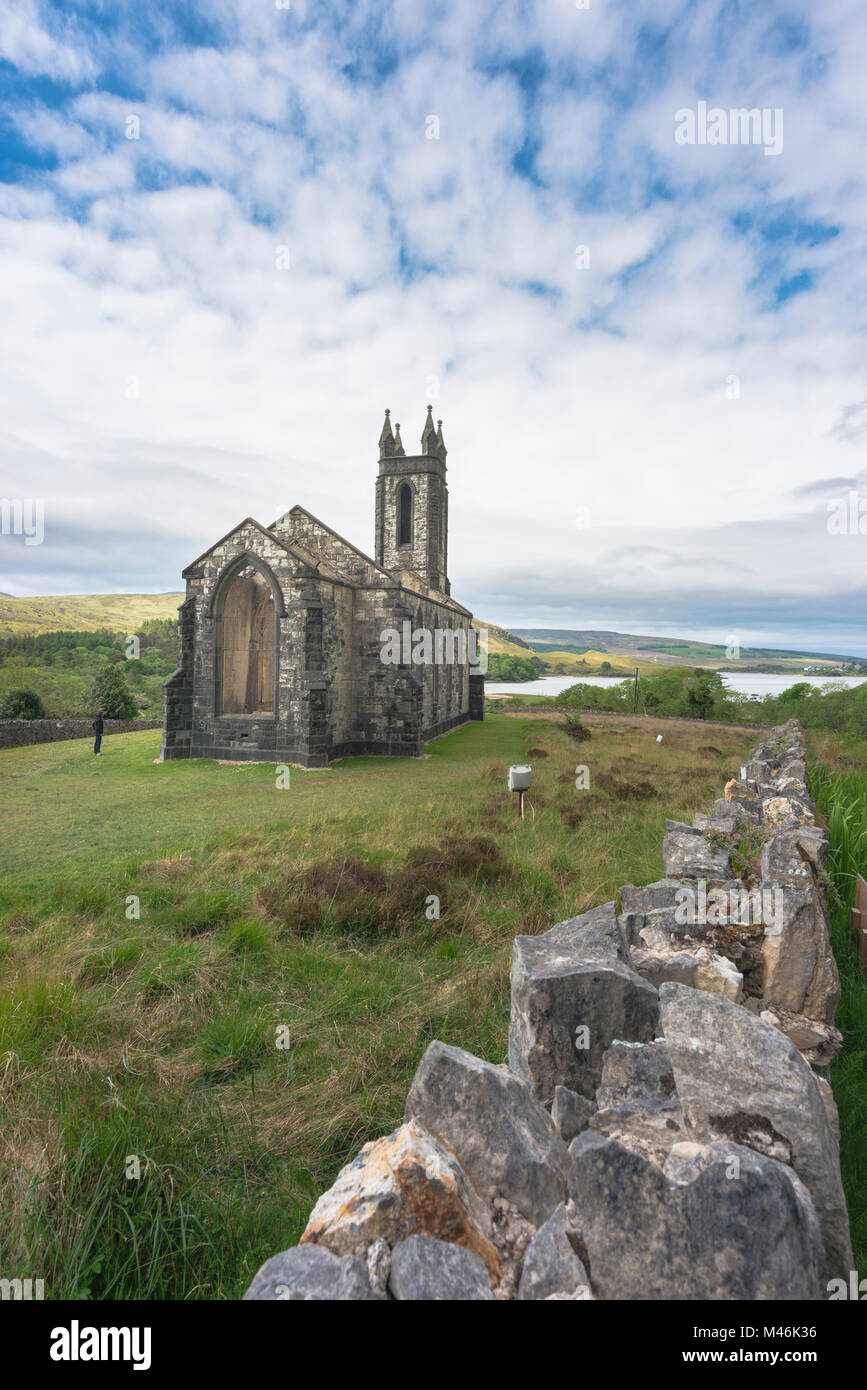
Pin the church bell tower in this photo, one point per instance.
(412, 517)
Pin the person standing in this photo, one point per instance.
(98, 729)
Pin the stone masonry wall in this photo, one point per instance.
(427, 554)
(15, 733)
(664, 1128)
(298, 526)
(398, 708)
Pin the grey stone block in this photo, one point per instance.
(308, 1273)
(594, 935)
(503, 1138)
(741, 1079)
(550, 1264)
(423, 1268)
(570, 1112)
(567, 1012)
(648, 1238)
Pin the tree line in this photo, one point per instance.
(695, 693)
(68, 674)
(514, 668)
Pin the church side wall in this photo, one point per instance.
(339, 666)
(446, 689)
(387, 698)
(178, 689)
(398, 707)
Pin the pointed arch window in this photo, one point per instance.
(404, 514)
(247, 645)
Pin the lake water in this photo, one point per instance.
(747, 684)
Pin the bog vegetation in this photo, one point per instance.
(214, 991)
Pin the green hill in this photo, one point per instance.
(21, 617)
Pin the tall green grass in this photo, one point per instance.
(842, 799)
(153, 1038)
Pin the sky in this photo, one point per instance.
(233, 234)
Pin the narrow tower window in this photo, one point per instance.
(404, 514)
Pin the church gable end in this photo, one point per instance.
(300, 527)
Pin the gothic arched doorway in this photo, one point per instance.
(247, 646)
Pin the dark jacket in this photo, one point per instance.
(99, 725)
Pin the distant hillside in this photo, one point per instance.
(20, 617)
(564, 661)
(550, 643)
(502, 637)
(564, 651)
(502, 642)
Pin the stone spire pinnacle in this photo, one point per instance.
(399, 450)
(441, 444)
(429, 434)
(386, 439)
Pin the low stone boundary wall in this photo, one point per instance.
(563, 710)
(14, 732)
(664, 1128)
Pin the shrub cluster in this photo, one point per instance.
(348, 895)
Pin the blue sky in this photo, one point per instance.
(646, 434)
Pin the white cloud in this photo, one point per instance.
(152, 262)
(26, 44)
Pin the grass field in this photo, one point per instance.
(263, 908)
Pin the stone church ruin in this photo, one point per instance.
(281, 633)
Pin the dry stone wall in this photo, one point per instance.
(664, 1128)
(16, 732)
